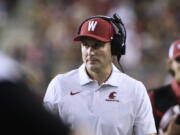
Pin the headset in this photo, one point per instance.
(118, 43)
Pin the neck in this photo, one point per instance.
(101, 75)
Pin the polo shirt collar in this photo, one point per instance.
(83, 76)
(113, 80)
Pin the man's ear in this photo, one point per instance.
(115, 60)
(169, 64)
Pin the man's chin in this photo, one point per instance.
(92, 67)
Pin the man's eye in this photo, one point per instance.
(96, 46)
(100, 44)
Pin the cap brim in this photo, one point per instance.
(79, 37)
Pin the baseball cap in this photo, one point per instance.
(96, 28)
(174, 50)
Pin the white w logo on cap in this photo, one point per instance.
(92, 25)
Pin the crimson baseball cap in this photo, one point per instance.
(96, 28)
(174, 50)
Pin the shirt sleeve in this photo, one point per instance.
(50, 100)
(144, 121)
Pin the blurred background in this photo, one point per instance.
(39, 35)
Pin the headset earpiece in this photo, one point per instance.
(116, 44)
(121, 38)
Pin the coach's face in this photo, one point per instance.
(96, 54)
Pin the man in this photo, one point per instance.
(169, 95)
(97, 97)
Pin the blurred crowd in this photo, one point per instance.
(39, 35)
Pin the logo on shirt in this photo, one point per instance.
(74, 93)
(112, 97)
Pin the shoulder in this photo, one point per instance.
(159, 93)
(160, 90)
(59, 84)
(131, 82)
(123, 77)
(132, 87)
(130, 79)
(68, 76)
(61, 81)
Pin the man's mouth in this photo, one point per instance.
(92, 60)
